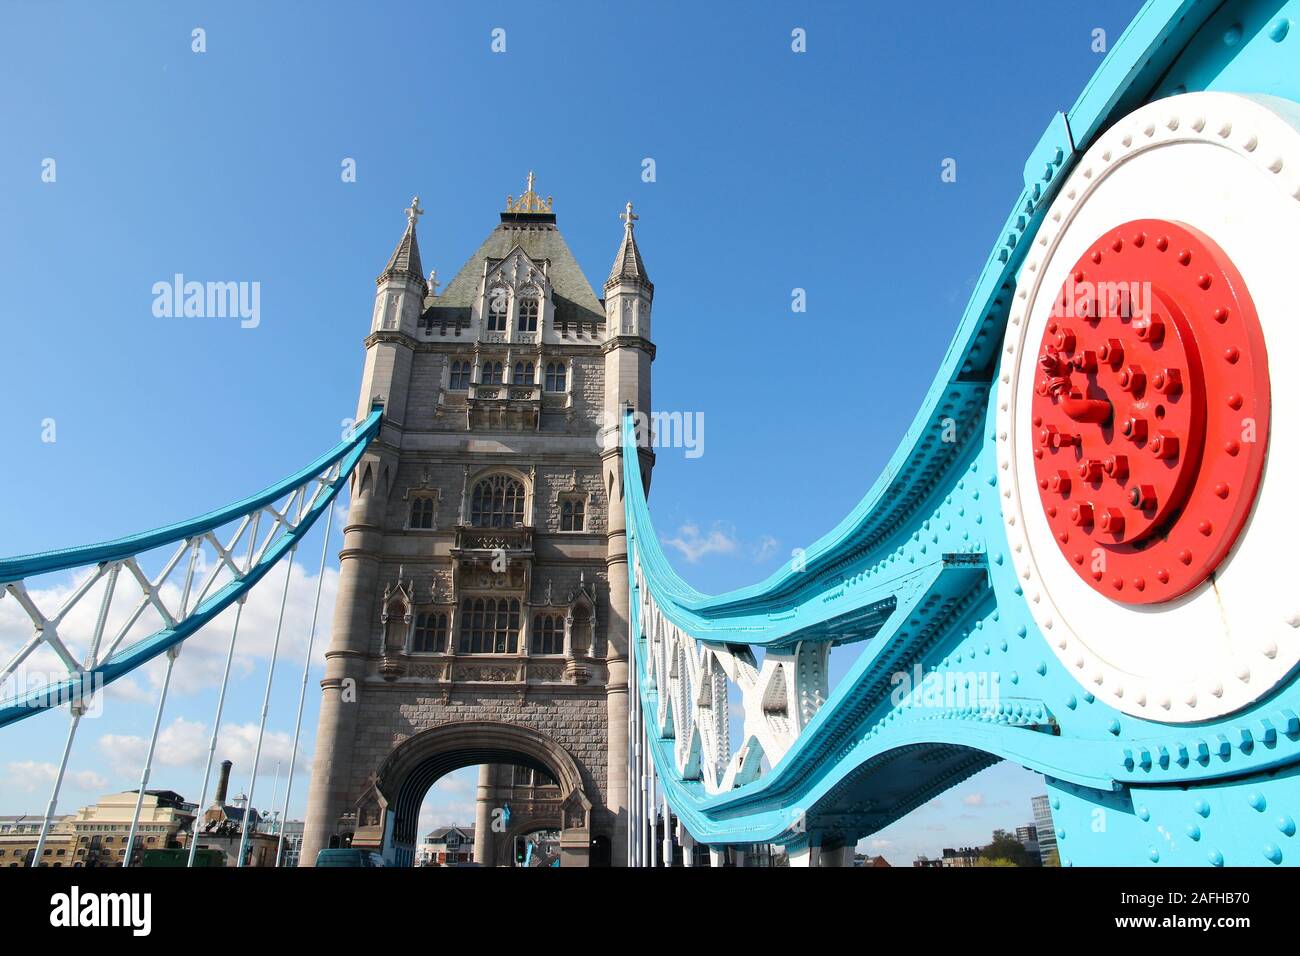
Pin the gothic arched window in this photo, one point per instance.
(497, 502)
(491, 373)
(555, 376)
(489, 626)
(548, 634)
(524, 373)
(527, 315)
(498, 307)
(460, 375)
(422, 513)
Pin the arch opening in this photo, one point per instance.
(552, 797)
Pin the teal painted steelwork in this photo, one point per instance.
(346, 455)
(920, 571)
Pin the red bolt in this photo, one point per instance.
(1117, 467)
(1049, 436)
(1150, 330)
(1165, 445)
(1132, 379)
(1142, 497)
(1134, 429)
(1081, 514)
(1111, 351)
(1112, 520)
(1167, 381)
(1090, 469)
(1086, 361)
(1060, 482)
(1065, 339)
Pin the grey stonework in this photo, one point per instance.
(394, 716)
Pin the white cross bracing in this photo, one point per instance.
(282, 518)
(205, 549)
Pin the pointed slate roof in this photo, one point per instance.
(539, 237)
(406, 257)
(628, 264)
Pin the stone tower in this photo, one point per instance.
(481, 616)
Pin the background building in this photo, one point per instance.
(1028, 837)
(101, 832)
(1046, 830)
(292, 831)
(20, 834)
(445, 845)
(222, 827)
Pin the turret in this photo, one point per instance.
(628, 354)
(629, 294)
(399, 300)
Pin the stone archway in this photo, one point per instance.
(416, 763)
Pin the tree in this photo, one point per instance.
(1008, 848)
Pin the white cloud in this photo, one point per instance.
(973, 800)
(693, 545)
(184, 744)
(765, 548)
(200, 666)
(30, 776)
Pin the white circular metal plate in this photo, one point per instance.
(1229, 166)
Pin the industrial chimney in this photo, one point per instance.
(223, 783)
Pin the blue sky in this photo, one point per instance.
(774, 171)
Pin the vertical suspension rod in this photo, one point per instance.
(302, 692)
(221, 694)
(266, 707)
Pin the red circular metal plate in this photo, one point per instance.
(1150, 411)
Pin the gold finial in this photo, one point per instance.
(529, 201)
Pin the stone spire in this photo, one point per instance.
(628, 264)
(406, 257)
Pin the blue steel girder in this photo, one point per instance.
(330, 473)
(920, 573)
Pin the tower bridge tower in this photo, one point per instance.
(481, 616)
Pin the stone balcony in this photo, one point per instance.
(474, 542)
(503, 406)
